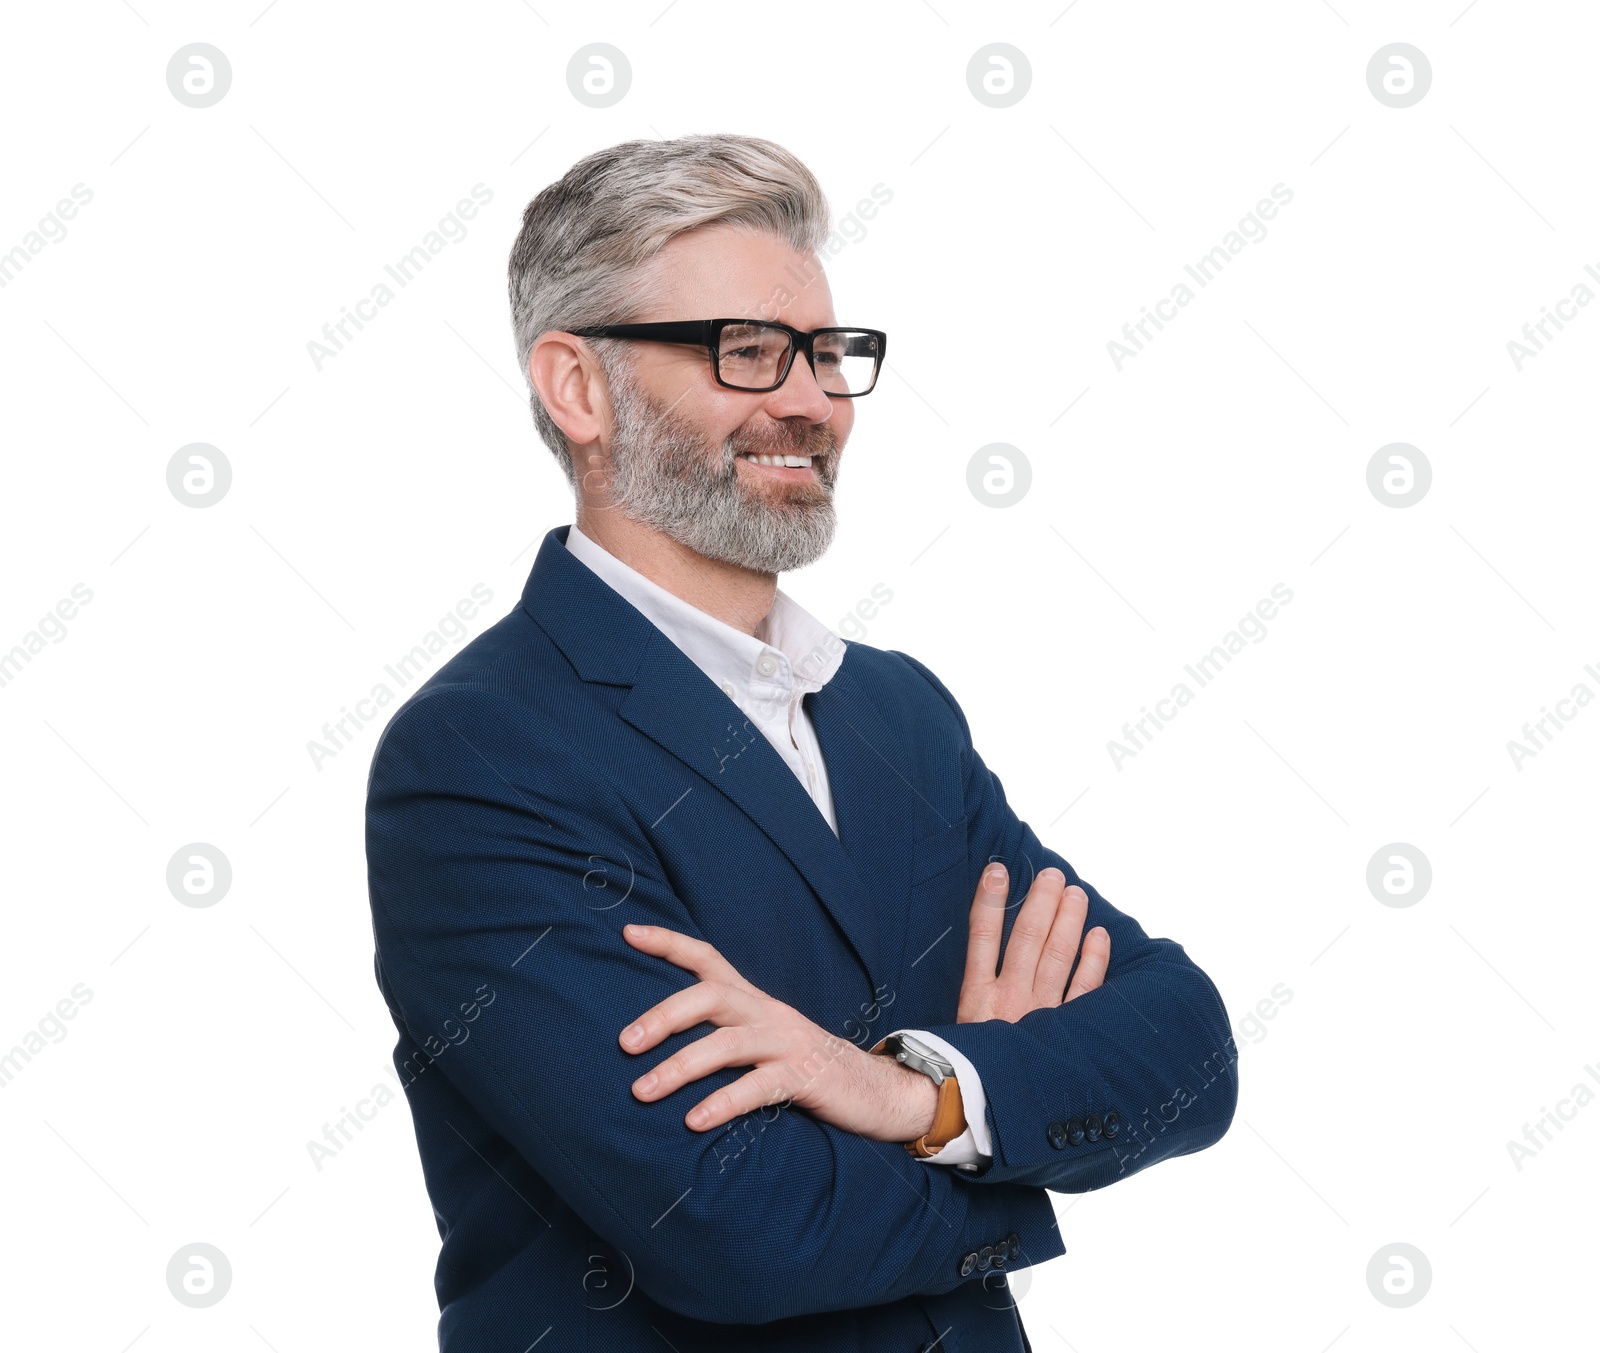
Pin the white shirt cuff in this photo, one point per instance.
(973, 1147)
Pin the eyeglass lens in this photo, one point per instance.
(751, 356)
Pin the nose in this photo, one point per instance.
(800, 396)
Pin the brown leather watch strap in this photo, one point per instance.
(949, 1121)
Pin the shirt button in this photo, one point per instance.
(727, 689)
(766, 664)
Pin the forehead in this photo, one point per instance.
(728, 271)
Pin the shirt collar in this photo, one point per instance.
(791, 648)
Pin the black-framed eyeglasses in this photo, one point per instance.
(756, 355)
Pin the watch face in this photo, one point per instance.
(920, 1057)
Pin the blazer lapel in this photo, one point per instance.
(872, 803)
(677, 706)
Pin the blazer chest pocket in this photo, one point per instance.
(938, 851)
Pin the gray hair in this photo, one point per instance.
(581, 255)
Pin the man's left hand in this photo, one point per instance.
(792, 1059)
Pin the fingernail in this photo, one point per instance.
(994, 872)
(634, 930)
(698, 1117)
(633, 1034)
(645, 1084)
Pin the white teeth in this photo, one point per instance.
(794, 462)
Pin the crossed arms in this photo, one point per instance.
(470, 856)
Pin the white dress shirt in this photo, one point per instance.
(766, 675)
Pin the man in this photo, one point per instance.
(736, 1008)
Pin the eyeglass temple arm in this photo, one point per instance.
(680, 331)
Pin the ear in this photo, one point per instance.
(571, 386)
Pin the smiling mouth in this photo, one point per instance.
(784, 466)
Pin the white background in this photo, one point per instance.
(1230, 455)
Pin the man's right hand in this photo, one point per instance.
(1039, 953)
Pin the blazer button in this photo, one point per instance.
(1057, 1132)
(985, 1257)
(968, 1263)
(1092, 1127)
(1075, 1131)
(1013, 1246)
(1113, 1123)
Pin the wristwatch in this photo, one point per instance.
(949, 1118)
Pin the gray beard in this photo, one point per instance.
(664, 477)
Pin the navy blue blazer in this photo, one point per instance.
(571, 771)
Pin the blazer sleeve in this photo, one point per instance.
(1105, 1085)
(502, 867)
